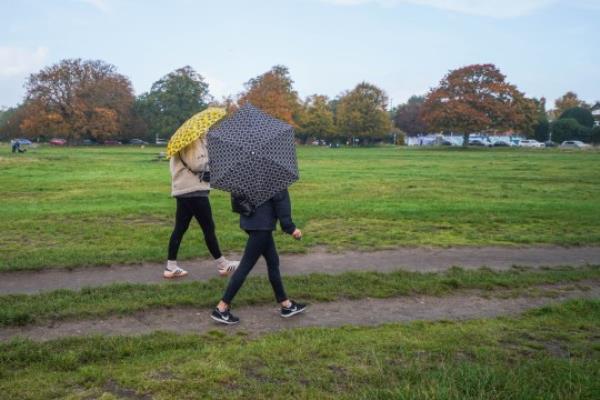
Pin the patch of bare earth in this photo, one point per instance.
(256, 320)
(419, 259)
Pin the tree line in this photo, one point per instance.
(88, 99)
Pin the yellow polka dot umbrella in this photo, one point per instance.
(194, 128)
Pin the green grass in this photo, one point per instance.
(128, 298)
(549, 353)
(91, 206)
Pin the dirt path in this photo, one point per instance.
(412, 259)
(262, 319)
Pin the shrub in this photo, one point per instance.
(569, 129)
(541, 130)
(595, 136)
(399, 136)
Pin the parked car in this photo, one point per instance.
(515, 142)
(57, 142)
(479, 142)
(574, 144)
(501, 143)
(22, 142)
(530, 143)
(550, 143)
(111, 142)
(161, 141)
(88, 142)
(137, 141)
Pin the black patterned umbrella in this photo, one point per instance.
(253, 154)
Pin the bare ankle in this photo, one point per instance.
(286, 303)
(222, 306)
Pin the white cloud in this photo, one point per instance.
(17, 61)
(487, 8)
(101, 5)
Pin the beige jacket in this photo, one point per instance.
(183, 180)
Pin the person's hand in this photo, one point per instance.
(297, 234)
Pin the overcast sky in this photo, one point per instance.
(545, 47)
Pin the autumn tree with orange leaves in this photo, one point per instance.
(77, 99)
(477, 98)
(568, 100)
(273, 93)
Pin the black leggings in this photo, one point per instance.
(259, 243)
(187, 208)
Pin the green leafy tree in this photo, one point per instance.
(316, 119)
(361, 113)
(172, 100)
(581, 115)
(569, 129)
(541, 128)
(10, 123)
(541, 131)
(5, 115)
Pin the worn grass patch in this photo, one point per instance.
(548, 353)
(92, 206)
(127, 298)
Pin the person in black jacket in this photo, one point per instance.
(260, 226)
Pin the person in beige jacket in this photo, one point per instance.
(190, 185)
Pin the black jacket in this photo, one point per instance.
(266, 215)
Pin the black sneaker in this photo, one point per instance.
(224, 317)
(294, 309)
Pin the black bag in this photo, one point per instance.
(241, 205)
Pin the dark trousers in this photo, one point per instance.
(260, 243)
(198, 207)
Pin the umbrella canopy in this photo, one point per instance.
(194, 128)
(253, 154)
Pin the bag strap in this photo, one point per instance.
(198, 173)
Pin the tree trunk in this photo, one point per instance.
(465, 139)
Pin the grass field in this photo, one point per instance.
(550, 353)
(122, 299)
(92, 206)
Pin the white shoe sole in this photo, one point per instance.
(293, 313)
(225, 272)
(222, 321)
(170, 275)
